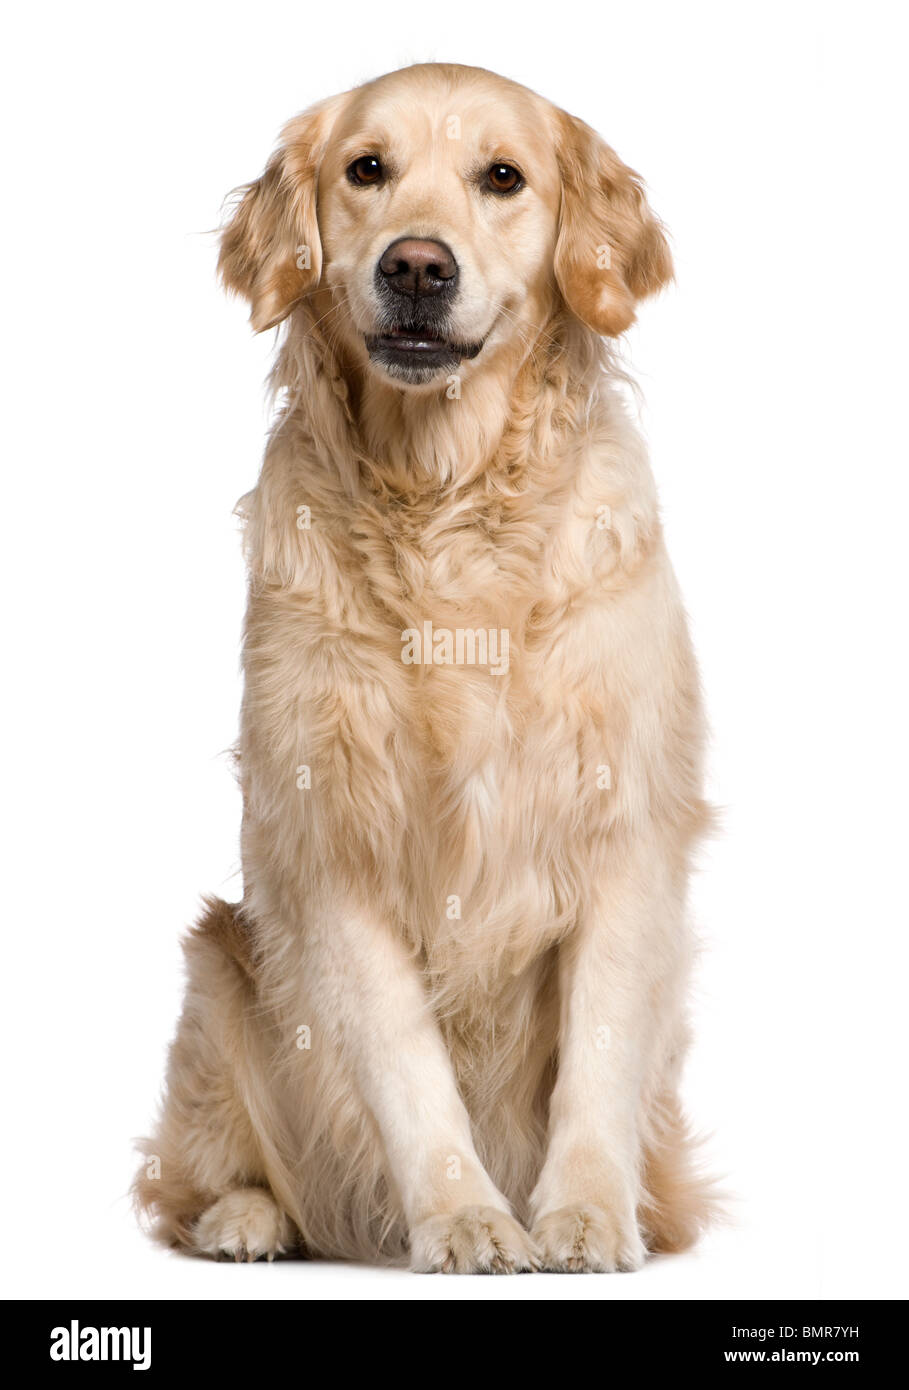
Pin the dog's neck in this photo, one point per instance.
(539, 456)
(444, 436)
(411, 442)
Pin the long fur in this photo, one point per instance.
(437, 780)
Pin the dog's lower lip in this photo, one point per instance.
(411, 341)
(419, 343)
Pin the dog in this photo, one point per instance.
(445, 1023)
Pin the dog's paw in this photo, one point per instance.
(588, 1240)
(472, 1240)
(244, 1225)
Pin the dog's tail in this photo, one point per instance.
(680, 1200)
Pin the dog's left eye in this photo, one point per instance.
(365, 170)
(504, 178)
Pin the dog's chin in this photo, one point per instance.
(415, 356)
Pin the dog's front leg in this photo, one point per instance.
(617, 975)
(368, 996)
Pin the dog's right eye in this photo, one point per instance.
(365, 170)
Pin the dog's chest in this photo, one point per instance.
(493, 731)
(448, 565)
(454, 599)
(455, 712)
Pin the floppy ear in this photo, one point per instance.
(270, 248)
(611, 249)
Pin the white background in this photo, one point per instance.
(772, 139)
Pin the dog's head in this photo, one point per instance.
(438, 214)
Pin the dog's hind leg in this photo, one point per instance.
(213, 1181)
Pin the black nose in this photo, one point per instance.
(417, 267)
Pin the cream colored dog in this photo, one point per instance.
(448, 1016)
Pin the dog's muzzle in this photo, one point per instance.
(416, 283)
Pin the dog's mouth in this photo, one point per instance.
(417, 351)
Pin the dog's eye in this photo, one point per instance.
(365, 170)
(503, 178)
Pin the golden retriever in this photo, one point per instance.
(446, 1021)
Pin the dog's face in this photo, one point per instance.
(437, 215)
(438, 211)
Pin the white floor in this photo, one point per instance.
(747, 1261)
